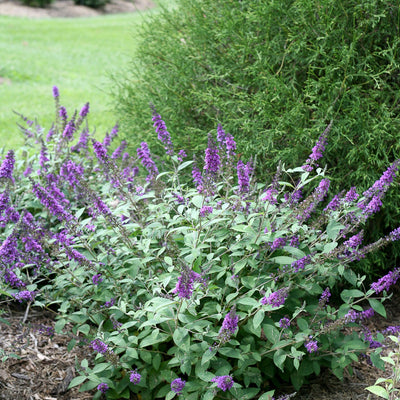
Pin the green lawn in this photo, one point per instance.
(77, 55)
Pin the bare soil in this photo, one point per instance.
(68, 9)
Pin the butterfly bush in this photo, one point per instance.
(188, 277)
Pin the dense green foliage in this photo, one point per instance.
(92, 3)
(274, 73)
(37, 3)
(218, 287)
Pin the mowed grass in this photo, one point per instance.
(77, 55)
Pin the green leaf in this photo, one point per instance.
(154, 338)
(258, 318)
(184, 165)
(302, 324)
(182, 339)
(170, 395)
(378, 391)
(283, 260)
(279, 358)
(248, 301)
(207, 356)
(77, 381)
(198, 201)
(267, 395)
(85, 329)
(347, 295)
(329, 247)
(333, 229)
(271, 333)
(230, 352)
(377, 306)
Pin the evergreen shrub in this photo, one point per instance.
(37, 3)
(274, 73)
(92, 3)
(187, 276)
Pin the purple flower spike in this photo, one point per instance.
(205, 210)
(224, 382)
(7, 166)
(102, 387)
(84, 111)
(311, 346)
(284, 323)
(243, 177)
(212, 161)
(229, 326)
(276, 299)
(96, 279)
(25, 295)
(177, 385)
(184, 286)
(99, 346)
(100, 151)
(143, 153)
(161, 130)
(135, 377)
(56, 93)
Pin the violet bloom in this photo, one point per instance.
(102, 387)
(118, 151)
(270, 196)
(25, 295)
(351, 195)
(386, 281)
(197, 178)
(56, 93)
(301, 263)
(229, 325)
(96, 279)
(284, 323)
(43, 156)
(243, 177)
(63, 113)
(324, 297)
(69, 131)
(177, 385)
(161, 130)
(99, 346)
(230, 145)
(7, 166)
(181, 155)
(100, 151)
(82, 142)
(114, 132)
(334, 204)
(220, 135)
(278, 243)
(354, 241)
(224, 382)
(311, 346)
(135, 377)
(318, 149)
(143, 153)
(205, 210)
(184, 286)
(84, 111)
(72, 173)
(276, 299)
(212, 160)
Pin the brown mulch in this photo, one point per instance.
(39, 365)
(68, 9)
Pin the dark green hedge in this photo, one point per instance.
(274, 72)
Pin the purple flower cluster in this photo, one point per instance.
(318, 149)
(96, 279)
(161, 130)
(229, 325)
(99, 346)
(284, 323)
(276, 299)
(224, 382)
(135, 377)
(119, 150)
(354, 241)
(7, 166)
(324, 297)
(311, 346)
(243, 176)
(184, 286)
(100, 151)
(278, 243)
(212, 160)
(56, 92)
(205, 210)
(84, 110)
(24, 295)
(270, 195)
(102, 387)
(143, 153)
(177, 385)
(386, 281)
(301, 263)
(197, 178)
(351, 195)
